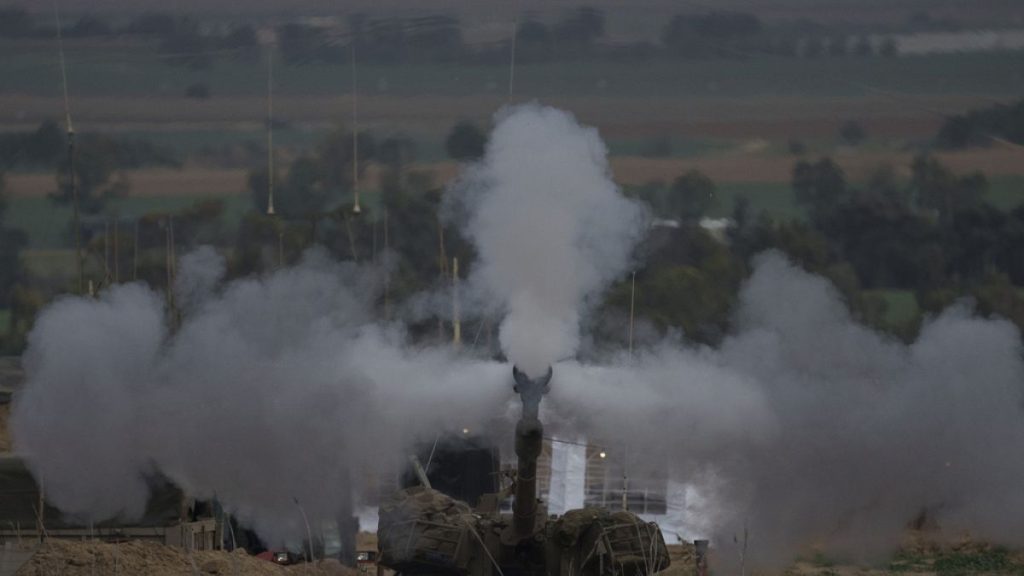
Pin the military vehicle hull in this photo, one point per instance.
(424, 532)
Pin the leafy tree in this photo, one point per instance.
(201, 223)
(980, 127)
(884, 241)
(25, 305)
(975, 242)
(996, 295)
(883, 184)
(533, 41)
(692, 195)
(12, 241)
(819, 186)
(937, 189)
(689, 282)
(256, 245)
(465, 142)
(96, 165)
(957, 132)
(41, 148)
(317, 182)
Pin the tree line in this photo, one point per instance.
(932, 235)
(576, 33)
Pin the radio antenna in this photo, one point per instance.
(356, 209)
(270, 132)
(69, 127)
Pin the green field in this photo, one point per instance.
(1006, 192)
(47, 223)
(901, 306)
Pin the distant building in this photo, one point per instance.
(920, 43)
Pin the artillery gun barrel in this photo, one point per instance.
(529, 441)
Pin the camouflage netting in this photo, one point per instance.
(419, 526)
(603, 542)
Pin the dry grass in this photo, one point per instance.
(150, 182)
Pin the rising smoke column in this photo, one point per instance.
(551, 229)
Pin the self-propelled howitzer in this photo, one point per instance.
(422, 531)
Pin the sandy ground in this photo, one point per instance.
(91, 558)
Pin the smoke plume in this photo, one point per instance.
(803, 425)
(551, 229)
(276, 389)
(815, 430)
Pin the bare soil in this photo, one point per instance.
(89, 558)
(729, 167)
(782, 117)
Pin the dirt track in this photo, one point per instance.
(137, 558)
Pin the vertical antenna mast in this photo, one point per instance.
(512, 61)
(135, 253)
(117, 253)
(356, 209)
(632, 309)
(456, 311)
(71, 152)
(270, 131)
(387, 270)
(106, 252)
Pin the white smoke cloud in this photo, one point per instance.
(803, 424)
(817, 430)
(202, 271)
(278, 389)
(87, 363)
(551, 229)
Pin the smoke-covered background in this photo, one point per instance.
(802, 423)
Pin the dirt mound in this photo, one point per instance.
(683, 560)
(89, 558)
